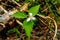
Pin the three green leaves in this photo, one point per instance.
(28, 26)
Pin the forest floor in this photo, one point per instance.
(46, 26)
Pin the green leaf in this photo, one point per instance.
(58, 12)
(28, 0)
(17, 0)
(19, 15)
(58, 1)
(58, 36)
(28, 26)
(34, 10)
(51, 25)
(14, 30)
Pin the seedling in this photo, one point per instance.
(28, 23)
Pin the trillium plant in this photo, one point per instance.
(30, 18)
(28, 23)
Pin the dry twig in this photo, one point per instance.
(19, 22)
(16, 3)
(2, 25)
(55, 24)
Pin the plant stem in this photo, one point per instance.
(28, 38)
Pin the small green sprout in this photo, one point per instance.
(14, 30)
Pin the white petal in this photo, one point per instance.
(28, 19)
(30, 14)
(33, 18)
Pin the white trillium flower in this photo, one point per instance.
(30, 17)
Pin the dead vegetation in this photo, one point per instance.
(46, 27)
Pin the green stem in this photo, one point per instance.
(28, 38)
(23, 38)
(16, 37)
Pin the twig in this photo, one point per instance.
(6, 5)
(48, 7)
(2, 25)
(24, 7)
(19, 22)
(3, 9)
(45, 9)
(43, 22)
(16, 3)
(55, 24)
(6, 16)
(10, 12)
